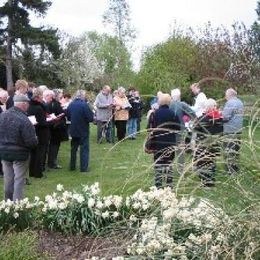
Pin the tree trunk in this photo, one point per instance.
(8, 64)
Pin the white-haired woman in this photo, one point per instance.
(42, 128)
(122, 107)
(165, 125)
(58, 130)
(209, 128)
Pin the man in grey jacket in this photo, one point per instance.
(17, 138)
(104, 106)
(233, 124)
(180, 109)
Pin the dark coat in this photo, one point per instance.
(10, 102)
(80, 115)
(209, 124)
(136, 106)
(42, 129)
(166, 124)
(58, 129)
(17, 135)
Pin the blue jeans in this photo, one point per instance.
(83, 142)
(132, 127)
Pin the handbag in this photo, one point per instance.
(149, 145)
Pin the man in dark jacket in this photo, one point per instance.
(80, 116)
(18, 137)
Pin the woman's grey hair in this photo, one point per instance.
(37, 92)
(210, 104)
(43, 87)
(121, 89)
(57, 92)
(3, 93)
(48, 92)
(176, 94)
(81, 94)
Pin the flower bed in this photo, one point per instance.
(156, 222)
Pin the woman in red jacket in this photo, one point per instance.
(209, 128)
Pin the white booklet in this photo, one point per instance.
(33, 120)
(52, 117)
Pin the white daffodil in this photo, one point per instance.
(99, 204)
(62, 205)
(105, 214)
(91, 202)
(16, 215)
(116, 214)
(59, 187)
(7, 210)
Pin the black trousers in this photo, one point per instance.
(54, 147)
(232, 144)
(121, 129)
(163, 168)
(1, 169)
(205, 162)
(37, 161)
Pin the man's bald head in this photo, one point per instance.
(195, 88)
(230, 93)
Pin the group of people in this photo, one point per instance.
(35, 120)
(169, 122)
(120, 108)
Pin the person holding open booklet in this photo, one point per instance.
(122, 107)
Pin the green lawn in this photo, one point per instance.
(124, 168)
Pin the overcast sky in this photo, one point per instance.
(151, 18)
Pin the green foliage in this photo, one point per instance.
(19, 246)
(114, 59)
(40, 42)
(255, 37)
(216, 58)
(167, 65)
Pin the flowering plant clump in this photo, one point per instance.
(18, 215)
(86, 212)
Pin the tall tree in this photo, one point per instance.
(118, 17)
(255, 41)
(15, 28)
(113, 58)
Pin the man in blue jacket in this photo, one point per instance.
(80, 115)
